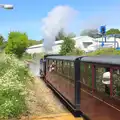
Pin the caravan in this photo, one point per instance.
(86, 43)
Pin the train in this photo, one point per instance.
(88, 85)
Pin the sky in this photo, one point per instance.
(28, 14)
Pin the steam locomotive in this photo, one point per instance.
(89, 85)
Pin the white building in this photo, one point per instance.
(40, 48)
(83, 42)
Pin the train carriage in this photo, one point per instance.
(64, 79)
(89, 85)
(100, 87)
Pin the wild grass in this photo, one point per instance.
(14, 76)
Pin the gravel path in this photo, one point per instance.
(42, 101)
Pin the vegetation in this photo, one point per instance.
(105, 51)
(67, 46)
(17, 43)
(26, 56)
(94, 33)
(1, 40)
(113, 31)
(61, 35)
(14, 76)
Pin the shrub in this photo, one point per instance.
(26, 56)
(17, 43)
(13, 81)
(67, 46)
(105, 51)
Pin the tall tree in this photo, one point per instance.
(61, 35)
(1, 40)
(113, 31)
(71, 35)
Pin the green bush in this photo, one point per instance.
(105, 51)
(13, 81)
(26, 56)
(17, 43)
(67, 46)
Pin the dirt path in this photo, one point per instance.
(44, 105)
(42, 101)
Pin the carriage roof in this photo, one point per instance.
(68, 58)
(103, 59)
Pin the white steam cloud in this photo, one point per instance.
(58, 18)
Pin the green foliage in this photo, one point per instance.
(40, 55)
(1, 40)
(13, 86)
(61, 35)
(67, 46)
(105, 51)
(71, 35)
(3, 45)
(113, 31)
(26, 56)
(76, 52)
(17, 43)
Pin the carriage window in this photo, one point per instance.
(55, 65)
(65, 68)
(71, 72)
(50, 62)
(116, 82)
(103, 79)
(86, 74)
(100, 84)
(60, 66)
(69, 67)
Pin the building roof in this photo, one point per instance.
(83, 39)
(102, 59)
(68, 58)
(35, 46)
(41, 45)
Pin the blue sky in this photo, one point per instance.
(27, 15)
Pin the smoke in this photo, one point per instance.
(58, 18)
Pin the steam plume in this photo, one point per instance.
(58, 18)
